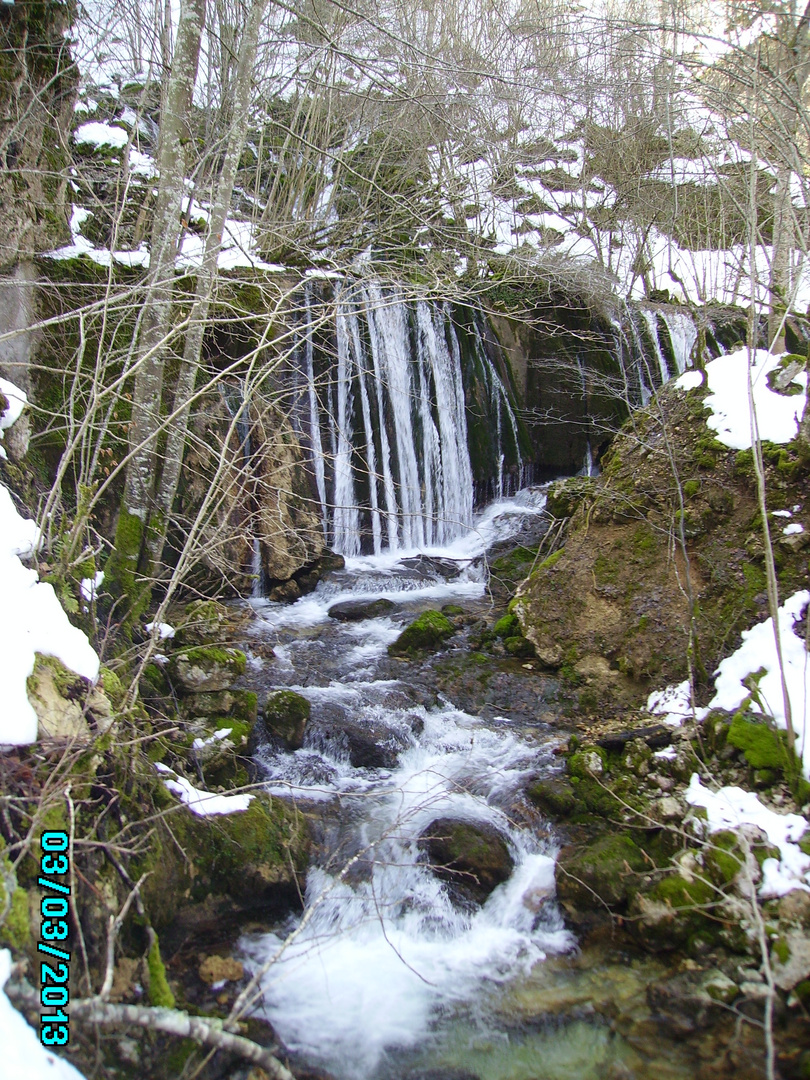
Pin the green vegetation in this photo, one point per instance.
(424, 634)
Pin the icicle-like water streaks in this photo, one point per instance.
(506, 484)
(401, 472)
(651, 320)
(682, 335)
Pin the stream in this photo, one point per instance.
(388, 974)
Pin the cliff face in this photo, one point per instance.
(37, 92)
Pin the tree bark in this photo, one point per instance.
(155, 329)
(206, 277)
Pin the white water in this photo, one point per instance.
(385, 952)
(651, 319)
(683, 335)
(398, 475)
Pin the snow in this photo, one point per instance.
(24, 1058)
(164, 630)
(793, 529)
(777, 415)
(673, 704)
(690, 380)
(89, 586)
(94, 133)
(203, 803)
(200, 744)
(734, 808)
(758, 651)
(32, 621)
(17, 400)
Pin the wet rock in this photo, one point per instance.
(791, 959)
(686, 1002)
(428, 566)
(367, 746)
(241, 704)
(285, 592)
(600, 875)
(555, 797)
(356, 610)
(426, 633)
(471, 856)
(207, 668)
(286, 715)
(656, 736)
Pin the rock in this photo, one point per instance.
(588, 762)
(427, 632)
(428, 566)
(206, 668)
(794, 907)
(355, 610)
(790, 959)
(471, 856)
(367, 746)
(57, 696)
(683, 1002)
(604, 873)
(286, 715)
(203, 622)
(216, 969)
(285, 592)
(555, 797)
(667, 809)
(675, 909)
(241, 704)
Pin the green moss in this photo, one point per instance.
(508, 626)
(555, 797)
(722, 857)
(607, 868)
(286, 714)
(781, 950)
(519, 647)
(764, 748)
(160, 992)
(215, 655)
(15, 929)
(120, 572)
(112, 686)
(425, 633)
(691, 488)
(581, 762)
(678, 893)
(452, 609)
(552, 560)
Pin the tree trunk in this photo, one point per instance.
(206, 277)
(155, 330)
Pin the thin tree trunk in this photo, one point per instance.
(148, 388)
(206, 277)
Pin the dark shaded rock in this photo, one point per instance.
(425, 633)
(241, 704)
(427, 566)
(555, 797)
(656, 736)
(367, 746)
(355, 610)
(472, 857)
(691, 1001)
(286, 715)
(203, 621)
(285, 592)
(207, 668)
(603, 874)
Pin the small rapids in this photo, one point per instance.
(385, 955)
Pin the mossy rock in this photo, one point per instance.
(763, 747)
(202, 623)
(255, 858)
(603, 873)
(723, 858)
(676, 910)
(15, 927)
(519, 647)
(564, 496)
(112, 686)
(555, 797)
(240, 704)
(587, 762)
(508, 626)
(207, 667)
(425, 634)
(472, 857)
(286, 715)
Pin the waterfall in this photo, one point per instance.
(682, 335)
(400, 475)
(239, 414)
(651, 320)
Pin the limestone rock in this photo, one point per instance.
(207, 668)
(286, 715)
(56, 695)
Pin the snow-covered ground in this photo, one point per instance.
(32, 619)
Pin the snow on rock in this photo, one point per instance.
(32, 621)
(94, 133)
(163, 630)
(16, 400)
(732, 808)
(24, 1058)
(757, 651)
(673, 705)
(90, 586)
(793, 529)
(203, 803)
(777, 415)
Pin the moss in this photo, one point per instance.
(210, 655)
(764, 748)
(452, 609)
(160, 992)
(519, 647)
(602, 873)
(15, 929)
(120, 572)
(552, 560)
(425, 633)
(583, 764)
(555, 797)
(781, 950)
(286, 714)
(691, 488)
(508, 626)
(112, 686)
(240, 731)
(722, 858)
(678, 893)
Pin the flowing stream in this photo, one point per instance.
(387, 959)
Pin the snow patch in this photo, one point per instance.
(777, 415)
(94, 133)
(202, 803)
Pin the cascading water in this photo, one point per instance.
(398, 475)
(651, 320)
(385, 950)
(682, 335)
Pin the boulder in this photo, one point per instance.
(286, 715)
(203, 621)
(424, 634)
(207, 668)
(356, 610)
(367, 746)
(472, 857)
(602, 874)
(57, 696)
